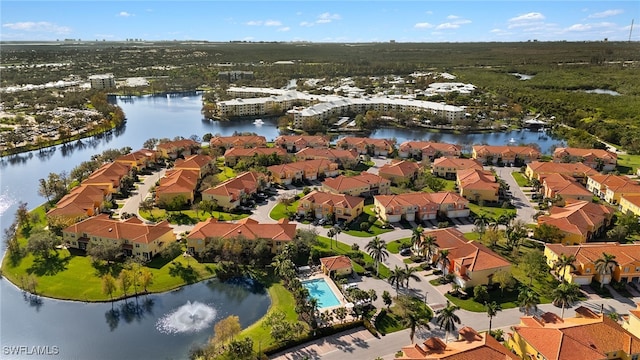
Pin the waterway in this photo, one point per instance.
(89, 331)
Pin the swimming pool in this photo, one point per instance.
(319, 289)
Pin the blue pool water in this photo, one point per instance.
(319, 289)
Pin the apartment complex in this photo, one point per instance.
(367, 145)
(366, 184)
(231, 193)
(578, 171)
(511, 155)
(601, 160)
(420, 206)
(102, 81)
(293, 143)
(311, 170)
(241, 141)
(428, 150)
(399, 171)
(447, 168)
(323, 205)
(579, 221)
(478, 185)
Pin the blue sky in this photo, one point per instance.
(320, 21)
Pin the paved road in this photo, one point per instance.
(523, 206)
(132, 203)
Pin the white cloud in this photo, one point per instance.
(447, 25)
(594, 26)
(284, 29)
(124, 14)
(254, 22)
(528, 17)
(452, 17)
(606, 13)
(423, 25)
(496, 31)
(579, 27)
(41, 26)
(327, 17)
(306, 24)
(272, 23)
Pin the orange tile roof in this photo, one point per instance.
(78, 201)
(400, 168)
(611, 181)
(483, 150)
(336, 200)
(588, 253)
(425, 146)
(355, 141)
(304, 165)
(172, 145)
(197, 161)
(564, 185)
(326, 153)
(138, 155)
(420, 199)
(477, 179)
(336, 262)
(247, 228)
(585, 337)
(457, 164)
(111, 173)
(245, 140)
(633, 199)
(304, 140)
(132, 229)
(177, 181)
(577, 217)
(470, 345)
(570, 169)
(242, 152)
(245, 182)
(598, 153)
(345, 183)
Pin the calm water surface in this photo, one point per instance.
(92, 331)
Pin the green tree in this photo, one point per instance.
(416, 237)
(124, 280)
(146, 278)
(396, 277)
(481, 222)
(428, 247)
(42, 243)
(604, 265)
(480, 294)
(411, 273)
(492, 310)
(548, 233)
(534, 265)
(414, 321)
(504, 279)
(386, 298)
(226, 329)
(377, 249)
(447, 318)
(443, 259)
(562, 263)
(565, 295)
(108, 286)
(528, 300)
(108, 251)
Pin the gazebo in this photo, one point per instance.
(337, 265)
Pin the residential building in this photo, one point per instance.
(242, 141)
(202, 164)
(293, 143)
(511, 155)
(630, 204)
(578, 171)
(601, 160)
(580, 221)
(471, 262)
(102, 81)
(586, 336)
(478, 185)
(327, 205)
(231, 193)
(469, 345)
(428, 150)
(235, 75)
(177, 183)
(339, 156)
(365, 145)
(626, 255)
(336, 266)
(607, 186)
(233, 155)
(631, 322)
(108, 176)
(135, 238)
(303, 170)
(559, 188)
(366, 184)
(81, 202)
(399, 172)
(139, 159)
(420, 206)
(177, 148)
(448, 167)
(277, 235)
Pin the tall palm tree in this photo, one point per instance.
(448, 319)
(378, 250)
(604, 266)
(428, 246)
(565, 295)
(492, 310)
(330, 234)
(416, 237)
(481, 222)
(528, 300)
(396, 277)
(414, 321)
(561, 264)
(443, 258)
(494, 222)
(411, 273)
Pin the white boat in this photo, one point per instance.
(512, 140)
(258, 122)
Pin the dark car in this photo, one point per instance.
(405, 252)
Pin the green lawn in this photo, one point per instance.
(281, 300)
(344, 249)
(628, 164)
(492, 212)
(472, 236)
(508, 300)
(226, 173)
(520, 179)
(388, 321)
(395, 246)
(188, 216)
(70, 275)
(280, 210)
(374, 230)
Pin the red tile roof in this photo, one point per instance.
(427, 146)
(400, 168)
(564, 185)
(420, 199)
(247, 228)
(302, 140)
(588, 253)
(245, 140)
(173, 145)
(197, 161)
(477, 179)
(346, 183)
(338, 262)
(132, 229)
(109, 173)
(79, 201)
(326, 153)
(578, 152)
(305, 165)
(242, 152)
(457, 164)
(571, 169)
(177, 181)
(577, 217)
(483, 150)
(470, 254)
(353, 141)
(336, 200)
(246, 182)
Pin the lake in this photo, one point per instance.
(75, 327)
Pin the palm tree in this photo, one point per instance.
(396, 277)
(330, 234)
(492, 310)
(604, 266)
(428, 246)
(378, 250)
(494, 222)
(443, 258)
(481, 222)
(414, 321)
(528, 300)
(562, 263)
(565, 295)
(416, 237)
(411, 273)
(448, 319)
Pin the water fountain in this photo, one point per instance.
(190, 317)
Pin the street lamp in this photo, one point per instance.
(426, 293)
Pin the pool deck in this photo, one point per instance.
(332, 286)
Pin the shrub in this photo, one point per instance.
(480, 294)
(367, 324)
(355, 247)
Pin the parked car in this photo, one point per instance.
(322, 221)
(405, 252)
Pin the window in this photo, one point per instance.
(588, 270)
(137, 245)
(626, 269)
